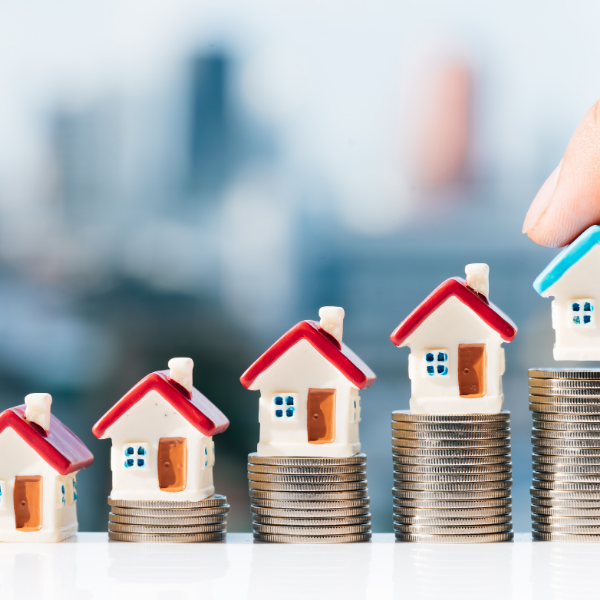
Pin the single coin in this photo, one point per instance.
(181, 512)
(321, 522)
(562, 503)
(502, 460)
(566, 418)
(564, 494)
(310, 514)
(449, 513)
(539, 527)
(309, 487)
(455, 539)
(564, 383)
(564, 537)
(565, 373)
(454, 487)
(568, 477)
(445, 426)
(554, 511)
(445, 443)
(165, 530)
(451, 478)
(453, 470)
(165, 521)
(492, 434)
(216, 500)
(301, 479)
(309, 531)
(468, 504)
(565, 486)
(337, 470)
(542, 459)
(450, 495)
(461, 452)
(405, 520)
(298, 461)
(567, 426)
(167, 539)
(550, 451)
(565, 408)
(565, 392)
(575, 435)
(359, 504)
(566, 469)
(307, 496)
(555, 401)
(406, 415)
(317, 539)
(564, 443)
(566, 521)
(474, 530)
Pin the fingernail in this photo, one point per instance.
(542, 201)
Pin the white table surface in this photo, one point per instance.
(89, 566)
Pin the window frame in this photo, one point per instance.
(436, 362)
(136, 456)
(61, 492)
(284, 407)
(581, 312)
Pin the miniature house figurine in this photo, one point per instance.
(39, 462)
(455, 337)
(161, 431)
(573, 278)
(309, 384)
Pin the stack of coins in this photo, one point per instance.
(452, 478)
(158, 521)
(309, 500)
(565, 497)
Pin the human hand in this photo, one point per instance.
(569, 201)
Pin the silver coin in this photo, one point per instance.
(538, 511)
(309, 487)
(302, 479)
(564, 383)
(167, 539)
(216, 500)
(564, 392)
(562, 503)
(405, 520)
(171, 513)
(359, 504)
(316, 539)
(455, 539)
(501, 460)
(565, 408)
(445, 443)
(553, 401)
(165, 521)
(451, 495)
(553, 434)
(564, 537)
(566, 521)
(564, 443)
(473, 530)
(430, 427)
(118, 527)
(449, 513)
(406, 415)
(467, 504)
(566, 477)
(543, 459)
(565, 418)
(304, 523)
(453, 470)
(574, 529)
(492, 434)
(307, 496)
(301, 461)
(565, 373)
(549, 451)
(454, 478)
(567, 426)
(566, 469)
(453, 487)
(557, 494)
(310, 514)
(310, 531)
(277, 470)
(565, 486)
(461, 452)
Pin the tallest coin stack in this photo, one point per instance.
(565, 497)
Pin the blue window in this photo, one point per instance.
(289, 412)
(129, 462)
(429, 357)
(74, 488)
(284, 406)
(129, 450)
(430, 370)
(136, 455)
(587, 318)
(436, 363)
(582, 313)
(289, 401)
(141, 451)
(279, 413)
(278, 400)
(587, 307)
(576, 307)
(140, 462)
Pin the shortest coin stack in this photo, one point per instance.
(565, 496)
(309, 500)
(452, 478)
(162, 521)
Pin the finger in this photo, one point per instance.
(569, 201)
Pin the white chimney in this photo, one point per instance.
(478, 278)
(332, 321)
(182, 372)
(38, 410)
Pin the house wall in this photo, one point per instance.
(299, 369)
(18, 458)
(452, 324)
(146, 422)
(581, 281)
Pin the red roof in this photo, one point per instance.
(339, 355)
(491, 315)
(60, 447)
(195, 408)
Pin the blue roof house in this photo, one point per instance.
(573, 279)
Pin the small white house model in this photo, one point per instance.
(573, 278)
(161, 431)
(309, 384)
(39, 462)
(455, 337)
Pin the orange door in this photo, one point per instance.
(321, 416)
(27, 500)
(472, 365)
(172, 464)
